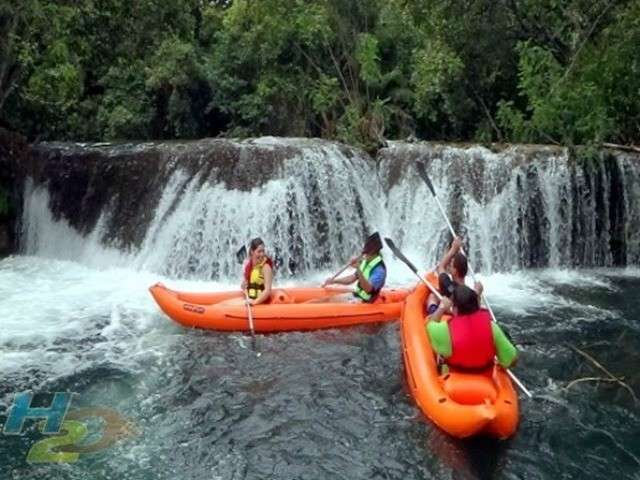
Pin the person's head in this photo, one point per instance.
(372, 245)
(459, 266)
(447, 286)
(256, 250)
(465, 300)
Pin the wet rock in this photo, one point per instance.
(14, 151)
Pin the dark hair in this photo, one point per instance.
(372, 244)
(460, 264)
(255, 243)
(465, 299)
(447, 286)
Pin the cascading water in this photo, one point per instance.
(44, 236)
(519, 208)
(630, 185)
(313, 210)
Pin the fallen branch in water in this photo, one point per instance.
(589, 379)
(611, 376)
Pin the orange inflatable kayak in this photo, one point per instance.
(462, 404)
(289, 309)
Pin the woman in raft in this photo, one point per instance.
(257, 277)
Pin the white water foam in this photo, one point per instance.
(49, 305)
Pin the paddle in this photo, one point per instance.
(241, 254)
(373, 238)
(435, 291)
(340, 271)
(250, 315)
(422, 171)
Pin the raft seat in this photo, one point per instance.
(469, 389)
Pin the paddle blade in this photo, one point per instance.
(400, 255)
(241, 254)
(422, 171)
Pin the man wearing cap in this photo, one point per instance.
(370, 273)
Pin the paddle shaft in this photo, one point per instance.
(340, 271)
(250, 316)
(473, 275)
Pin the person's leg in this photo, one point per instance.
(339, 298)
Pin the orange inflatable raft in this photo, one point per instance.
(289, 309)
(461, 404)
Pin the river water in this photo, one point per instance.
(315, 405)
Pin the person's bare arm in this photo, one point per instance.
(347, 280)
(446, 259)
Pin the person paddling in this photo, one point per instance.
(257, 273)
(470, 340)
(452, 271)
(370, 274)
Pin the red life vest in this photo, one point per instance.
(472, 342)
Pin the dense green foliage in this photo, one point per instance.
(507, 70)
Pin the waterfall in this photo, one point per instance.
(313, 209)
(313, 212)
(45, 236)
(520, 207)
(184, 209)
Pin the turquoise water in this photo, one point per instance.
(316, 405)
